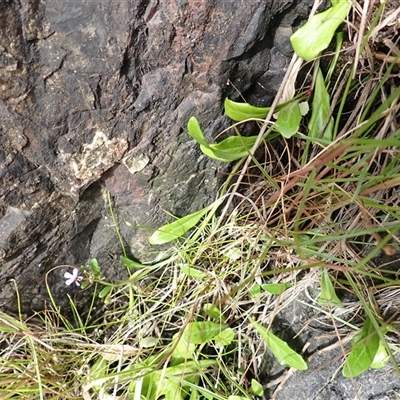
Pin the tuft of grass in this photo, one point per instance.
(310, 205)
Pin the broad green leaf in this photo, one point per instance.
(242, 111)
(178, 228)
(182, 349)
(320, 111)
(328, 296)
(224, 338)
(200, 332)
(192, 272)
(364, 348)
(317, 33)
(104, 292)
(132, 264)
(257, 388)
(255, 291)
(280, 349)
(230, 149)
(195, 131)
(276, 288)
(289, 119)
(213, 311)
(232, 397)
(381, 357)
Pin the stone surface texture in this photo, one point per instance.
(95, 97)
(308, 328)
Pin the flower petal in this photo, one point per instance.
(68, 275)
(69, 281)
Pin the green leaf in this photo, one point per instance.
(132, 264)
(213, 311)
(230, 149)
(182, 350)
(364, 348)
(254, 291)
(178, 228)
(148, 342)
(317, 33)
(280, 349)
(328, 296)
(242, 111)
(94, 266)
(192, 272)
(224, 338)
(257, 388)
(276, 288)
(381, 357)
(85, 284)
(195, 131)
(200, 332)
(320, 111)
(104, 292)
(194, 394)
(289, 119)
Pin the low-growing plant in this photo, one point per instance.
(313, 214)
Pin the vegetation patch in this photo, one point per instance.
(312, 202)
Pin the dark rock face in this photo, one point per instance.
(95, 97)
(325, 353)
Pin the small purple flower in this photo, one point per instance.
(74, 277)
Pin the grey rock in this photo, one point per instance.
(96, 98)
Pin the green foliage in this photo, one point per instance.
(256, 388)
(244, 111)
(289, 119)
(224, 338)
(200, 332)
(179, 227)
(319, 122)
(213, 312)
(280, 349)
(105, 291)
(328, 296)
(317, 33)
(131, 264)
(381, 357)
(192, 272)
(230, 149)
(364, 348)
(94, 266)
(173, 382)
(276, 288)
